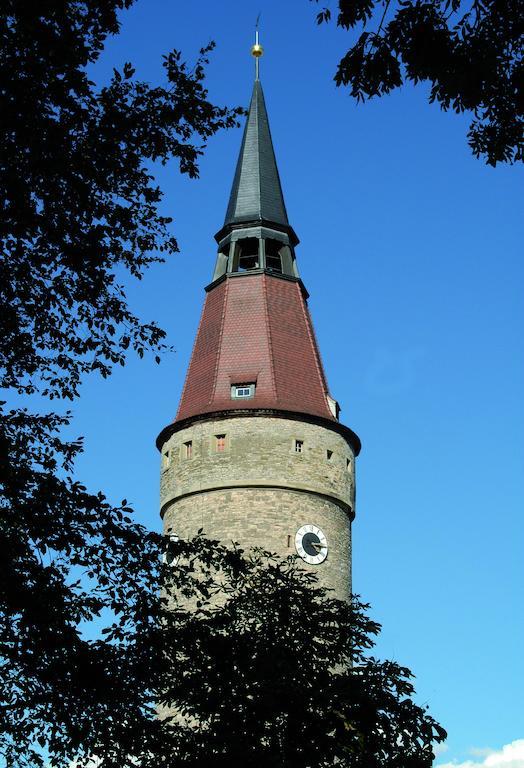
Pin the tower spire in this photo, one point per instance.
(256, 234)
(256, 194)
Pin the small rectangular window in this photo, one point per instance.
(165, 460)
(299, 445)
(329, 454)
(188, 449)
(220, 443)
(242, 391)
(348, 465)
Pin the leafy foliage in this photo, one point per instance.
(279, 675)
(66, 555)
(254, 665)
(80, 201)
(470, 52)
(80, 208)
(244, 661)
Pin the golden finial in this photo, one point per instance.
(257, 51)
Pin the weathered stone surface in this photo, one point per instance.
(259, 491)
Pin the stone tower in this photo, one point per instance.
(256, 453)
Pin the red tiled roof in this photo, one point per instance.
(255, 328)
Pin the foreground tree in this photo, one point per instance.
(79, 200)
(280, 675)
(79, 206)
(254, 665)
(471, 54)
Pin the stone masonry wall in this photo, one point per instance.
(259, 490)
(269, 518)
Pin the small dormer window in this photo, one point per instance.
(242, 391)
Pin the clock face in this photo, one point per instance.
(311, 544)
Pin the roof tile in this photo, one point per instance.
(255, 328)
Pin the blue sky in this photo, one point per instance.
(411, 250)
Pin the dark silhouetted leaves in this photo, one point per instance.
(79, 210)
(470, 53)
(270, 671)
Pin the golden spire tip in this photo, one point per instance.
(257, 51)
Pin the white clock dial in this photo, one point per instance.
(311, 544)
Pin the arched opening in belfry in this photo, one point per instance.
(246, 255)
(221, 263)
(273, 256)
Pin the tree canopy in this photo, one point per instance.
(245, 661)
(277, 673)
(80, 201)
(470, 54)
(80, 206)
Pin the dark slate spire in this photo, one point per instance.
(256, 194)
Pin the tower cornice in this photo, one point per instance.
(249, 223)
(252, 273)
(335, 426)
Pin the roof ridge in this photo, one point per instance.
(220, 347)
(186, 379)
(259, 168)
(316, 350)
(270, 341)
